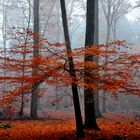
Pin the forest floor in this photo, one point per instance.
(113, 127)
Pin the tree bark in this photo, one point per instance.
(108, 32)
(97, 106)
(34, 96)
(96, 41)
(78, 116)
(4, 35)
(114, 27)
(104, 103)
(90, 116)
(109, 23)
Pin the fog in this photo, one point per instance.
(16, 15)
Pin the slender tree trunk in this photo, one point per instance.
(114, 27)
(4, 33)
(104, 97)
(104, 103)
(78, 116)
(57, 40)
(109, 23)
(21, 112)
(97, 106)
(90, 116)
(34, 96)
(96, 41)
(108, 32)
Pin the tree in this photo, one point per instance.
(96, 41)
(21, 112)
(10, 26)
(57, 67)
(4, 33)
(34, 96)
(78, 116)
(90, 116)
(113, 11)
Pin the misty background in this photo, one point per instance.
(17, 14)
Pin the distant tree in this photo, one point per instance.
(34, 96)
(113, 11)
(4, 35)
(9, 27)
(21, 112)
(96, 59)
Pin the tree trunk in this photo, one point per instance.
(114, 27)
(96, 41)
(97, 106)
(34, 96)
(109, 23)
(104, 103)
(78, 116)
(90, 116)
(108, 32)
(21, 112)
(4, 34)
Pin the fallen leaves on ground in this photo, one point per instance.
(113, 127)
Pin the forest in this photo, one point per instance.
(69, 69)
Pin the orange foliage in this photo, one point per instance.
(115, 75)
